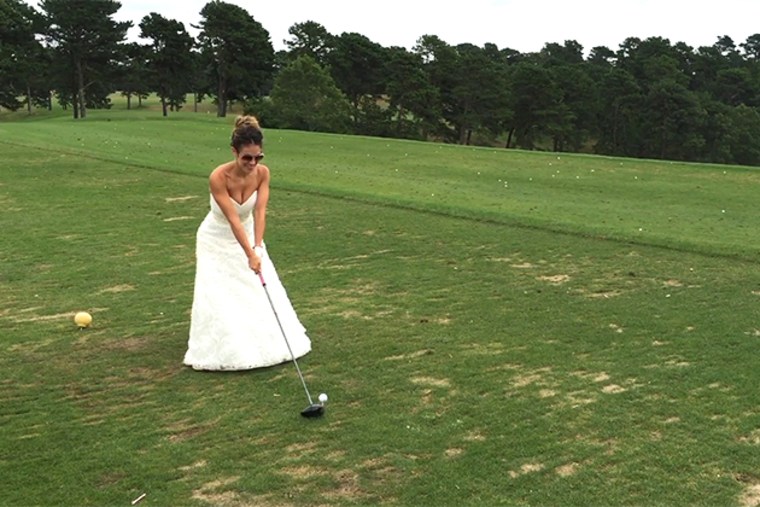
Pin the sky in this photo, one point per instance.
(522, 25)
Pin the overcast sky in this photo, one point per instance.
(523, 25)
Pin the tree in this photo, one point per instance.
(305, 97)
(413, 99)
(480, 98)
(170, 59)
(672, 121)
(617, 113)
(744, 136)
(85, 40)
(751, 47)
(535, 95)
(237, 52)
(133, 73)
(357, 66)
(441, 64)
(572, 118)
(22, 57)
(312, 39)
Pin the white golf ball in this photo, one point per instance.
(322, 398)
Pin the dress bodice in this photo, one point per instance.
(244, 210)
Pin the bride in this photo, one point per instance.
(233, 326)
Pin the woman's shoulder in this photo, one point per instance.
(262, 172)
(219, 171)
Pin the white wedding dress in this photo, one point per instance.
(232, 325)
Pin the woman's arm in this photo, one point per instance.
(218, 186)
(260, 210)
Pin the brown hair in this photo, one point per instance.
(246, 131)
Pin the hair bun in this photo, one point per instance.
(246, 121)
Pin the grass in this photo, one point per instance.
(582, 332)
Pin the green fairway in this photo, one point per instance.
(493, 327)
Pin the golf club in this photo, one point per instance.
(314, 409)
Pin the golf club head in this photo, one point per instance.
(313, 410)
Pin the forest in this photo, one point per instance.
(649, 98)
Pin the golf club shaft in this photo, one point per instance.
(292, 356)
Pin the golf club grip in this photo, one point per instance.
(261, 277)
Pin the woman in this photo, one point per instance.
(232, 326)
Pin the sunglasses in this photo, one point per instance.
(248, 158)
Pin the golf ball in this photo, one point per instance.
(82, 319)
(323, 398)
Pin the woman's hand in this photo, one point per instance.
(254, 262)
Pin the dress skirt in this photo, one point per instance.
(233, 326)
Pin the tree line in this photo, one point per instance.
(647, 99)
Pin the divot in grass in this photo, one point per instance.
(474, 436)
(210, 492)
(431, 381)
(412, 355)
(180, 218)
(554, 279)
(528, 468)
(567, 470)
(751, 496)
(182, 198)
(453, 452)
(117, 288)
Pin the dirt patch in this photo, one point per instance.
(196, 465)
(547, 393)
(412, 355)
(380, 471)
(613, 389)
(554, 279)
(753, 438)
(182, 431)
(578, 399)
(353, 314)
(335, 455)
(525, 380)
(488, 349)
(431, 381)
(304, 472)
(453, 452)
(750, 497)
(527, 468)
(348, 486)
(128, 344)
(301, 448)
(567, 470)
(616, 328)
(30, 347)
(42, 318)
(210, 493)
(604, 294)
(672, 283)
(176, 219)
(524, 265)
(474, 436)
(181, 199)
(118, 288)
